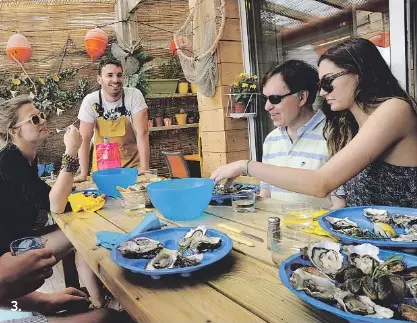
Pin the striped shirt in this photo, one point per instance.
(308, 151)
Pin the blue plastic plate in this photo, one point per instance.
(221, 198)
(285, 274)
(356, 214)
(88, 192)
(169, 238)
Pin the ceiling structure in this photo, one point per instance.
(285, 14)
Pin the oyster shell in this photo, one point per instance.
(364, 256)
(163, 260)
(315, 286)
(404, 220)
(326, 257)
(339, 224)
(412, 287)
(409, 273)
(204, 243)
(185, 241)
(362, 305)
(188, 261)
(376, 215)
(140, 248)
(388, 289)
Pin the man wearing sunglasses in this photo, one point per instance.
(289, 91)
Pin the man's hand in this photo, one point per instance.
(23, 274)
(70, 299)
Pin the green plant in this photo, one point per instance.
(244, 86)
(47, 92)
(172, 69)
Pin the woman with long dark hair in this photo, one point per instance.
(371, 132)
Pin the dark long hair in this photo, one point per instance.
(376, 85)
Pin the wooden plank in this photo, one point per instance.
(182, 300)
(212, 161)
(232, 30)
(232, 9)
(218, 101)
(228, 72)
(229, 52)
(238, 155)
(174, 127)
(234, 124)
(212, 120)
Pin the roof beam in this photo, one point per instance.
(288, 12)
(332, 4)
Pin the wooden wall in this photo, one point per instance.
(224, 140)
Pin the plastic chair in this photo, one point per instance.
(177, 165)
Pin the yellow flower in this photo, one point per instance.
(236, 84)
(243, 75)
(255, 77)
(244, 84)
(16, 81)
(42, 80)
(253, 86)
(55, 78)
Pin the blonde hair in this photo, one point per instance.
(9, 114)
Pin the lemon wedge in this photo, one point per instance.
(384, 230)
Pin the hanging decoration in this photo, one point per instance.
(96, 41)
(18, 48)
(381, 39)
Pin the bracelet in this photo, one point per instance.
(70, 164)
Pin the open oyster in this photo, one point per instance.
(315, 286)
(168, 258)
(404, 220)
(387, 289)
(326, 256)
(359, 304)
(377, 215)
(339, 224)
(409, 312)
(140, 248)
(195, 241)
(364, 256)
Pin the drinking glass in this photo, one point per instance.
(243, 202)
(297, 215)
(25, 244)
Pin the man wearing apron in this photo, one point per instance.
(118, 113)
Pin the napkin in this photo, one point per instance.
(108, 239)
(316, 228)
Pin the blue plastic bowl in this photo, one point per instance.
(107, 180)
(41, 169)
(181, 199)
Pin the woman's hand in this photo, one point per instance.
(72, 141)
(229, 171)
(23, 274)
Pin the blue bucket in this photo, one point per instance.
(181, 199)
(107, 180)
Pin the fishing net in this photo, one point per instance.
(196, 42)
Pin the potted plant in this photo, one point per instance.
(171, 71)
(159, 119)
(242, 90)
(181, 117)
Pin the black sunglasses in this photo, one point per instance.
(276, 99)
(34, 119)
(326, 81)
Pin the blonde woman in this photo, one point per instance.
(25, 199)
(371, 132)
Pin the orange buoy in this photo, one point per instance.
(381, 40)
(96, 41)
(18, 48)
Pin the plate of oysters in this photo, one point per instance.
(223, 192)
(359, 283)
(383, 226)
(172, 251)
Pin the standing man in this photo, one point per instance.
(290, 90)
(115, 112)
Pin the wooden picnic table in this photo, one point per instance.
(243, 287)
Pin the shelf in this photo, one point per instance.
(175, 127)
(170, 95)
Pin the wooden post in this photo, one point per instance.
(223, 140)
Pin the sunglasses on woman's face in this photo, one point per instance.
(326, 81)
(34, 119)
(276, 99)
